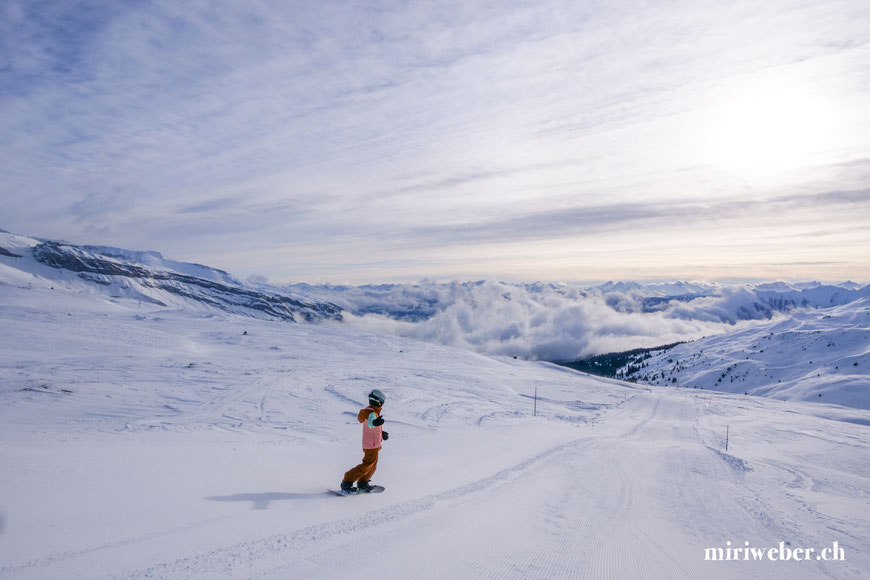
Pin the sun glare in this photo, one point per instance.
(768, 131)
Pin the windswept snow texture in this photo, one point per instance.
(817, 355)
(139, 441)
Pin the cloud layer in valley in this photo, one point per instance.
(544, 321)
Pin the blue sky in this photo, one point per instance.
(392, 141)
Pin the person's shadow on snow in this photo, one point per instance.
(261, 501)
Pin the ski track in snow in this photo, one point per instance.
(583, 509)
(145, 446)
(243, 558)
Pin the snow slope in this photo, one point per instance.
(816, 355)
(139, 441)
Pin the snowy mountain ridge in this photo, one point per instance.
(813, 355)
(539, 321)
(148, 277)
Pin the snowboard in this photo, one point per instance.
(374, 489)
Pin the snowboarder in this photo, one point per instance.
(372, 436)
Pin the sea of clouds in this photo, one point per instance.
(542, 321)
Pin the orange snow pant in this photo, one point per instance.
(365, 470)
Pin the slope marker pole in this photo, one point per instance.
(727, 429)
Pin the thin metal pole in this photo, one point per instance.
(727, 429)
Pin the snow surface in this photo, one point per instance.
(147, 442)
(816, 355)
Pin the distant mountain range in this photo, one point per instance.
(816, 346)
(150, 277)
(768, 297)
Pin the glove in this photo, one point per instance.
(386, 435)
(378, 422)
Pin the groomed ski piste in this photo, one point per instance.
(138, 441)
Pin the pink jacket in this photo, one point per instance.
(372, 435)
